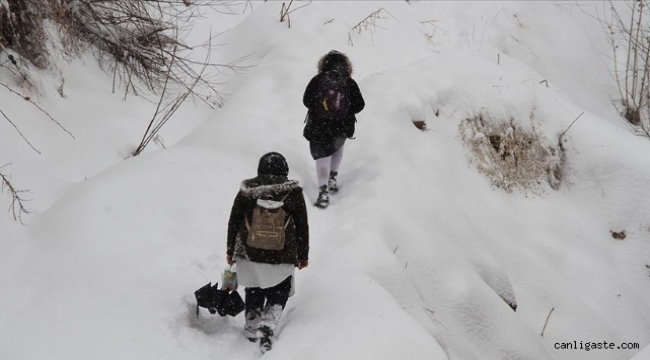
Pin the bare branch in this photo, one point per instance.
(163, 115)
(567, 129)
(28, 99)
(17, 207)
(144, 142)
(547, 318)
(285, 11)
(18, 130)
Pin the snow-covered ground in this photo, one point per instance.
(416, 254)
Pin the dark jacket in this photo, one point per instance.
(325, 130)
(321, 130)
(296, 233)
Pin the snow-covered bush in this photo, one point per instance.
(138, 42)
(511, 156)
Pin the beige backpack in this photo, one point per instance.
(266, 229)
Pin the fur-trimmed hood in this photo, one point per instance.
(335, 60)
(263, 187)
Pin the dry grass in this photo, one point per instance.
(511, 157)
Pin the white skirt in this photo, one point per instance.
(261, 275)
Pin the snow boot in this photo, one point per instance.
(252, 325)
(331, 183)
(265, 344)
(265, 339)
(250, 334)
(323, 198)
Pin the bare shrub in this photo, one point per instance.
(139, 42)
(630, 38)
(132, 39)
(138, 39)
(511, 157)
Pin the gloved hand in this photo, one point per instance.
(303, 264)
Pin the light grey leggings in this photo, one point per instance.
(327, 164)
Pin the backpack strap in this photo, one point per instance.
(282, 201)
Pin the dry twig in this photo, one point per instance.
(546, 322)
(567, 129)
(285, 11)
(369, 23)
(28, 99)
(164, 113)
(17, 207)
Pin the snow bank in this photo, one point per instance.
(417, 256)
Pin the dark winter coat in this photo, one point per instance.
(321, 130)
(296, 233)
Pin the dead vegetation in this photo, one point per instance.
(618, 235)
(369, 24)
(139, 43)
(420, 125)
(510, 156)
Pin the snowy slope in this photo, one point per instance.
(417, 252)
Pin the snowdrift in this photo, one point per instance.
(419, 256)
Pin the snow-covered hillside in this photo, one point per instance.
(418, 255)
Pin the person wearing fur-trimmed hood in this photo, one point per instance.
(267, 274)
(327, 134)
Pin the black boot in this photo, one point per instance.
(331, 184)
(265, 339)
(323, 198)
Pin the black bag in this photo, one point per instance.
(333, 96)
(218, 300)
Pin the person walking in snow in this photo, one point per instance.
(332, 98)
(268, 236)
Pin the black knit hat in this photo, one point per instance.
(273, 163)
